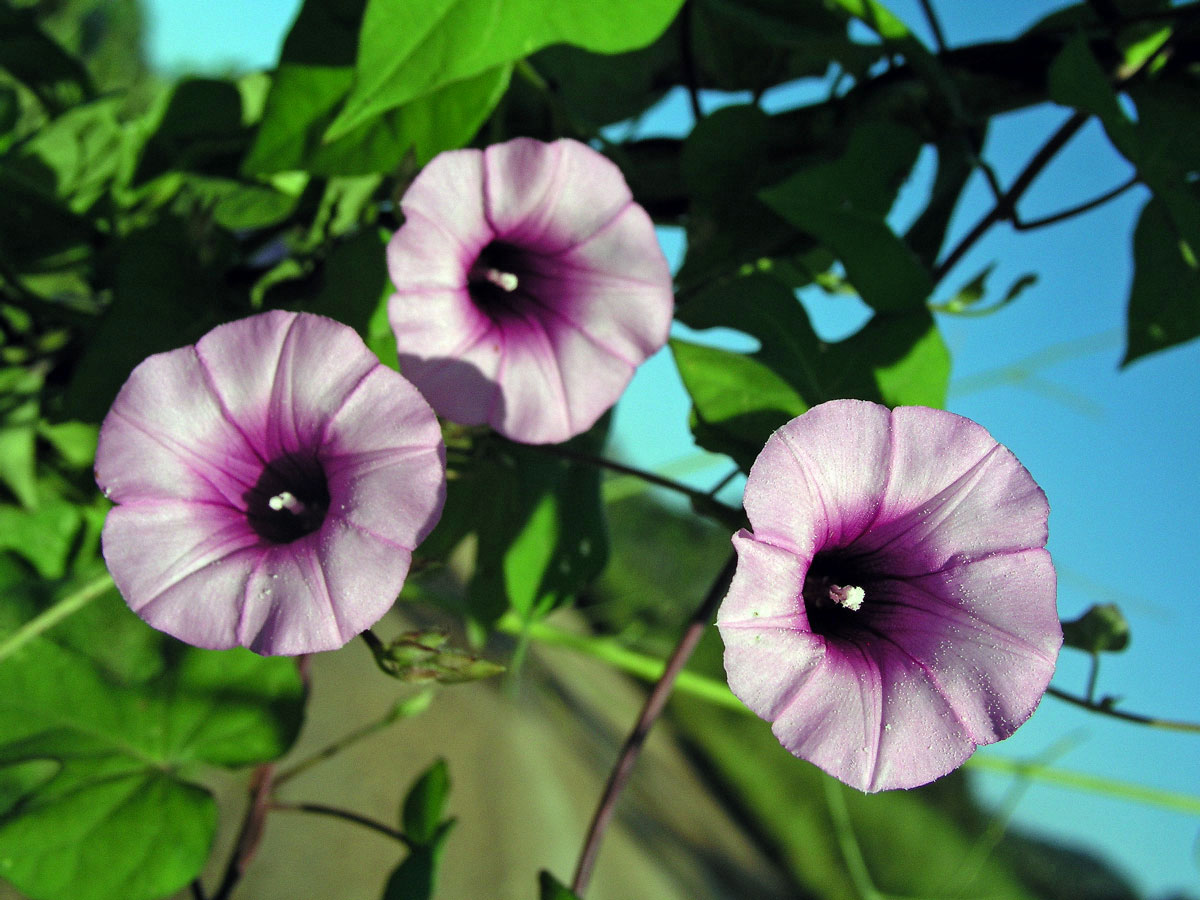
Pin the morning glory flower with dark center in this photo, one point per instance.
(529, 286)
(894, 607)
(271, 482)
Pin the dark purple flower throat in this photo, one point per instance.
(289, 500)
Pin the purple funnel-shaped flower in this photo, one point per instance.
(271, 483)
(529, 287)
(894, 607)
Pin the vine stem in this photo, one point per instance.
(253, 826)
(50, 617)
(1107, 710)
(702, 501)
(1005, 206)
(652, 709)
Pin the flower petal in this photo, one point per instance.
(819, 480)
(552, 196)
(953, 493)
(384, 461)
(281, 376)
(834, 719)
(189, 577)
(769, 651)
(167, 435)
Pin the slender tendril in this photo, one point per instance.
(653, 708)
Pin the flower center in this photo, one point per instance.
(833, 597)
(289, 501)
(494, 279)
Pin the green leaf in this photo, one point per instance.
(315, 76)
(75, 157)
(164, 296)
(765, 309)
(425, 804)
(550, 888)
(39, 62)
(43, 536)
(75, 442)
(540, 539)
(1102, 629)
(416, 877)
(898, 360)
(409, 50)
(119, 817)
(304, 100)
(600, 89)
(1164, 302)
(20, 391)
(737, 401)
(843, 204)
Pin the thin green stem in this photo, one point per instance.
(48, 618)
(1093, 677)
(843, 829)
(392, 716)
(1095, 784)
(345, 815)
(620, 657)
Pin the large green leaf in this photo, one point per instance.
(843, 205)
(164, 296)
(737, 401)
(1164, 302)
(410, 50)
(40, 62)
(103, 804)
(541, 536)
(305, 99)
(316, 75)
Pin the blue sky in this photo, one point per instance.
(1113, 449)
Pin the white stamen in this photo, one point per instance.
(286, 500)
(851, 596)
(506, 281)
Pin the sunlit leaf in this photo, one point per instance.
(407, 51)
(737, 401)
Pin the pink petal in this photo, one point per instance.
(820, 478)
(167, 436)
(551, 196)
(953, 492)
(769, 650)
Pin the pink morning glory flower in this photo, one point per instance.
(271, 482)
(529, 287)
(894, 607)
